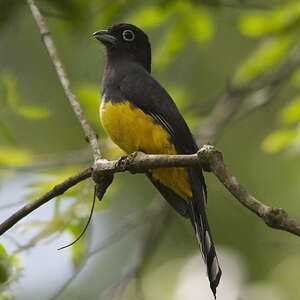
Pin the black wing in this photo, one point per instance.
(147, 94)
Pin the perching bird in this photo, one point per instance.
(139, 115)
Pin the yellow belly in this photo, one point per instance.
(132, 130)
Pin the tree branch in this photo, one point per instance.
(211, 160)
(50, 46)
(54, 192)
(208, 157)
(274, 217)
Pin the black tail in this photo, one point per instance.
(195, 211)
(199, 220)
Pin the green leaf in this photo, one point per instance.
(291, 113)
(173, 41)
(11, 156)
(55, 177)
(202, 27)
(279, 139)
(260, 23)
(5, 265)
(150, 16)
(254, 24)
(269, 53)
(33, 112)
(12, 100)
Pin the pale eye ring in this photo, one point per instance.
(128, 35)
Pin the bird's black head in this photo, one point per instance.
(126, 41)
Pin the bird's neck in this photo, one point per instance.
(116, 59)
(115, 70)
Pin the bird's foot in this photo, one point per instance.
(125, 161)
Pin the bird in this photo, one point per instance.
(139, 115)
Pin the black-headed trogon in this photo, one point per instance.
(139, 114)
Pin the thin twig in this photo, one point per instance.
(50, 46)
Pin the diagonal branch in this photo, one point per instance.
(54, 192)
(63, 78)
(239, 100)
(276, 218)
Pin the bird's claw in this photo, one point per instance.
(125, 161)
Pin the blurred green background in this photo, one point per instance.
(200, 50)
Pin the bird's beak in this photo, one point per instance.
(105, 37)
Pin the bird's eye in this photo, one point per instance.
(128, 35)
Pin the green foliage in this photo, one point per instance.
(51, 179)
(291, 113)
(33, 112)
(281, 19)
(9, 271)
(11, 104)
(12, 101)
(269, 53)
(280, 30)
(288, 134)
(175, 26)
(179, 32)
(173, 41)
(13, 156)
(81, 246)
(88, 95)
(72, 217)
(279, 139)
(150, 16)
(6, 295)
(202, 28)
(5, 266)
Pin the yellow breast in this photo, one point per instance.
(132, 130)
